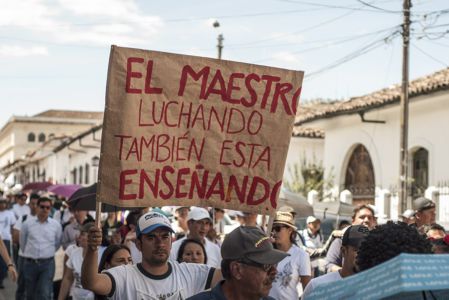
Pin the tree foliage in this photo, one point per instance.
(308, 176)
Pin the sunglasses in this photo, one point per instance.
(265, 267)
(278, 228)
(45, 207)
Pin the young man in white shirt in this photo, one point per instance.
(155, 277)
(351, 241)
(199, 223)
(20, 208)
(40, 238)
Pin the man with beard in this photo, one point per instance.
(362, 215)
(351, 241)
(248, 266)
(155, 277)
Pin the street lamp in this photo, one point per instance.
(220, 39)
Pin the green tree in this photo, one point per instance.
(308, 176)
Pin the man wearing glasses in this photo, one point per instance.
(248, 266)
(40, 238)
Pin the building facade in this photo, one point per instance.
(25, 141)
(362, 141)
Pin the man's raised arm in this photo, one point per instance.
(98, 283)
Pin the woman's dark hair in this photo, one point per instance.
(183, 246)
(389, 240)
(108, 254)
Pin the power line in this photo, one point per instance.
(430, 56)
(326, 41)
(353, 8)
(51, 43)
(365, 49)
(333, 44)
(378, 8)
(296, 32)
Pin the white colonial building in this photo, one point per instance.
(362, 142)
(27, 144)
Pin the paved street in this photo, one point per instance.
(9, 291)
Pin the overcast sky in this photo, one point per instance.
(54, 54)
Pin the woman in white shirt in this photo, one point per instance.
(72, 273)
(294, 271)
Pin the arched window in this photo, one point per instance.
(31, 137)
(51, 135)
(86, 177)
(359, 177)
(420, 172)
(41, 137)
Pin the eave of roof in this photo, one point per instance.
(433, 83)
(79, 136)
(307, 132)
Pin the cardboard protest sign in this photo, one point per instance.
(185, 130)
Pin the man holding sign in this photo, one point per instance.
(155, 277)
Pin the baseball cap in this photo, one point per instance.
(422, 203)
(198, 213)
(354, 235)
(284, 218)
(311, 219)
(151, 221)
(408, 213)
(248, 242)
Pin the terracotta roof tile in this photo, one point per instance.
(428, 84)
(307, 132)
(71, 114)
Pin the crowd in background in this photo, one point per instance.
(35, 227)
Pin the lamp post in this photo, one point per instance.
(220, 39)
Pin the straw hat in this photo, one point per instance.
(284, 218)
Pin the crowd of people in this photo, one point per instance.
(191, 253)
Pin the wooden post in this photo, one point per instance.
(98, 215)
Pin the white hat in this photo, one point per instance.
(409, 213)
(198, 213)
(151, 221)
(311, 219)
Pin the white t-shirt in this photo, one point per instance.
(7, 220)
(65, 217)
(285, 285)
(329, 277)
(180, 282)
(75, 262)
(312, 242)
(20, 210)
(212, 251)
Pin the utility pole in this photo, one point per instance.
(403, 163)
(220, 45)
(220, 40)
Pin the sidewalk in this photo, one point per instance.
(10, 290)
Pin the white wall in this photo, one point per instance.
(428, 127)
(310, 148)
